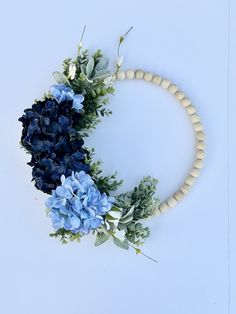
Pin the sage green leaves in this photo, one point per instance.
(123, 221)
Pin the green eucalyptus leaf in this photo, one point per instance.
(123, 245)
(60, 78)
(131, 227)
(90, 67)
(101, 238)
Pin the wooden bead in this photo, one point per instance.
(129, 74)
(200, 154)
(156, 80)
(190, 109)
(164, 207)
(197, 126)
(173, 89)
(200, 135)
(171, 202)
(185, 188)
(190, 180)
(139, 74)
(120, 75)
(179, 95)
(198, 163)
(200, 145)
(179, 195)
(185, 102)
(165, 83)
(148, 76)
(195, 118)
(195, 172)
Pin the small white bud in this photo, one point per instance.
(72, 71)
(80, 45)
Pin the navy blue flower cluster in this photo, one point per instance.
(50, 136)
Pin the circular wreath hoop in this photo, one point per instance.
(82, 199)
(190, 109)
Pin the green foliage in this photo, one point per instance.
(61, 78)
(89, 81)
(137, 205)
(142, 198)
(101, 238)
(121, 244)
(105, 184)
(136, 233)
(65, 236)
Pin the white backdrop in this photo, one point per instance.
(148, 134)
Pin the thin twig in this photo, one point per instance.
(122, 38)
(138, 251)
(82, 35)
(152, 259)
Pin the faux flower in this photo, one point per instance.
(80, 46)
(49, 135)
(61, 93)
(77, 205)
(77, 102)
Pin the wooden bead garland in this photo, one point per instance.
(197, 127)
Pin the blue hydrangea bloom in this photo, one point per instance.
(77, 102)
(61, 93)
(77, 205)
(49, 135)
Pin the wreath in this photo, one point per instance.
(81, 199)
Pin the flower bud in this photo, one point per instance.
(72, 71)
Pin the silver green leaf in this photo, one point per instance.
(126, 220)
(90, 67)
(60, 78)
(83, 69)
(102, 64)
(102, 74)
(130, 212)
(101, 238)
(122, 244)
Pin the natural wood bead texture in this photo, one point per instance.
(197, 127)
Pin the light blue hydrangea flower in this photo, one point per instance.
(77, 205)
(61, 93)
(77, 102)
